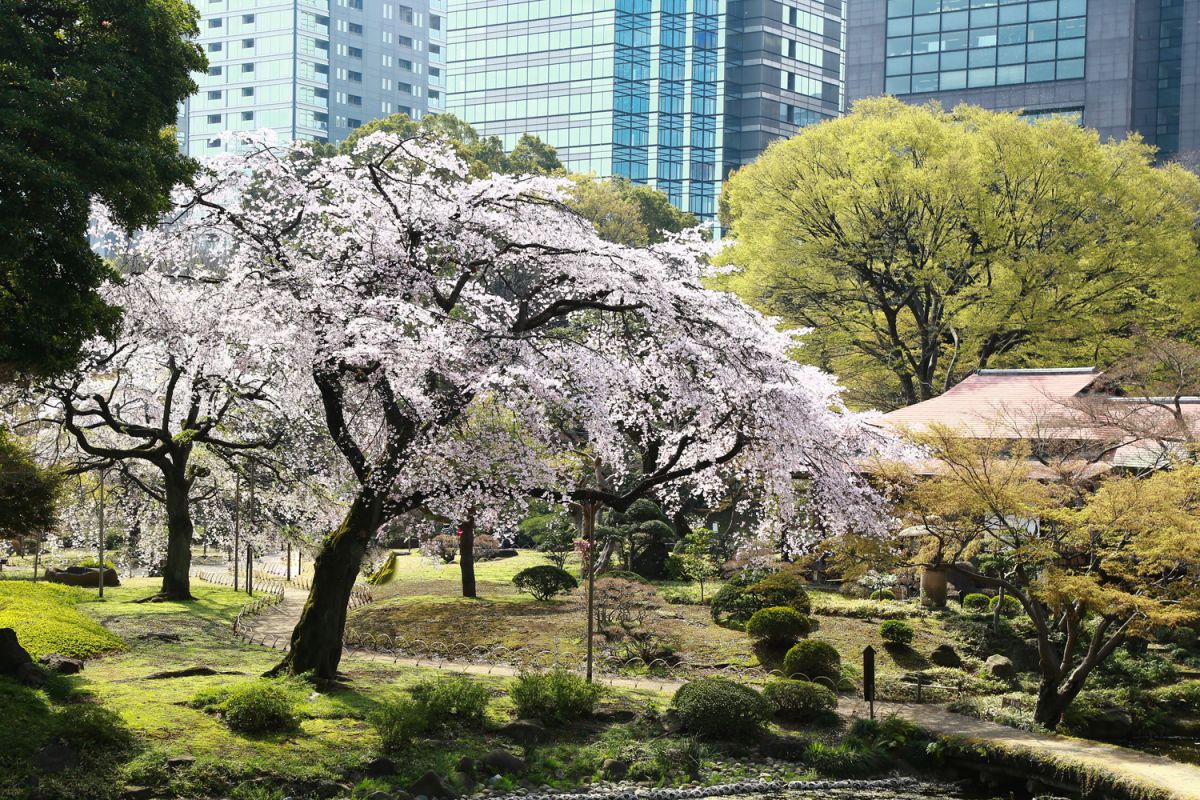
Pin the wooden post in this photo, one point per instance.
(289, 561)
(249, 568)
(100, 549)
(251, 511)
(237, 519)
(589, 534)
(869, 677)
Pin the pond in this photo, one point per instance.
(895, 788)
(1182, 749)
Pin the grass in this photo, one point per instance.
(47, 621)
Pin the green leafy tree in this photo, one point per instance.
(28, 494)
(531, 156)
(920, 244)
(88, 92)
(697, 559)
(644, 535)
(626, 213)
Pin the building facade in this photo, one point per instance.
(312, 69)
(1119, 65)
(672, 93)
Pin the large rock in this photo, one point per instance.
(1001, 667)
(945, 656)
(379, 767)
(54, 757)
(12, 655)
(524, 731)
(431, 785)
(87, 577)
(61, 664)
(31, 675)
(615, 769)
(504, 763)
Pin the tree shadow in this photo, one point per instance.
(906, 657)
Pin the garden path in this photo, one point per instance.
(1181, 781)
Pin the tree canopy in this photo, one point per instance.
(28, 491)
(89, 90)
(919, 244)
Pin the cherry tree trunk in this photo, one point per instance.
(316, 645)
(466, 558)
(176, 582)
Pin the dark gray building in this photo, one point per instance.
(1120, 65)
(673, 93)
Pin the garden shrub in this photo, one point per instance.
(720, 708)
(1182, 696)
(1126, 669)
(46, 620)
(260, 706)
(1011, 608)
(813, 660)
(443, 547)
(544, 581)
(623, 574)
(845, 759)
(668, 762)
(778, 626)
(624, 602)
(897, 633)
(976, 602)
(800, 701)
(554, 696)
(485, 547)
(399, 722)
(731, 603)
(783, 588)
(451, 699)
(883, 594)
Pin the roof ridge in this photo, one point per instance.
(1041, 371)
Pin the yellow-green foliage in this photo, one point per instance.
(46, 620)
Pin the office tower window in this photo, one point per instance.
(435, 22)
(247, 43)
(214, 94)
(214, 47)
(215, 70)
(354, 100)
(247, 19)
(214, 119)
(389, 12)
(248, 66)
(938, 45)
(214, 142)
(247, 116)
(214, 23)
(247, 91)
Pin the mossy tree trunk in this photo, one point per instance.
(466, 557)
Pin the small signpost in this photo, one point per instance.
(869, 677)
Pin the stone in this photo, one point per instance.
(379, 767)
(999, 666)
(61, 664)
(945, 656)
(54, 757)
(615, 769)
(379, 794)
(468, 765)
(30, 674)
(132, 792)
(431, 785)
(524, 731)
(180, 762)
(504, 763)
(12, 655)
(400, 794)
(88, 577)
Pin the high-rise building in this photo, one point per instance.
(1119, 65)
(673, 93)
(313, 69)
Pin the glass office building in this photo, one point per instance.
(674, 93)
(1117, 65)
(312, 69)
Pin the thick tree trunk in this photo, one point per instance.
(316, 645)
(176, 582)
(466, 557)
(1053, 702)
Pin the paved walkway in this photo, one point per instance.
(1182, 781)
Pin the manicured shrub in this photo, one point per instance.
(883, 594)
(1011, 608)
(778, 626)
(485, 547)
(813, 660)
(897, 633)
(260, 706)
(976, 602)
(544, 581)
(720, 708)
(624, 574)
(46, 620)
(783, 588)
(399, 722)
(554, 696)
(800, 701)
(451, 699)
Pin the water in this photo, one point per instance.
(922, 791)
(1186, 751)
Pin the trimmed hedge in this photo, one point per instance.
(544, 581)
(46, 620)
(749, 591)
(883, 594)
(719, 708)
(778, 626)
(800, 701)
(976, 602)
(554, 696)
(813, 660)
(897, 633)
(1011, 608)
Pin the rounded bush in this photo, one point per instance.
(731, 602)
(800, 701)
(813, 660)
(544, 581)
(749, 591)
(897, 633)
(782, 589)
(1011, 608)
(976, 602)
(399, 723)
(451, 698)
(260, 706)
(554, 696)
(778, 626)
(883, 594)
(720, 708)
